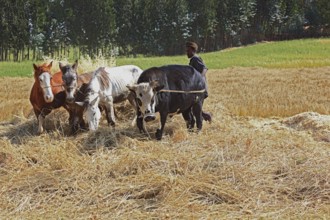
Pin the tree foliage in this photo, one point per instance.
(32, 28)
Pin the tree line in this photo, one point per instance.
(30, 29)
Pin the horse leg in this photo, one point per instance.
(71, 120)
(112, 114)
(159, 132)
(40, 123)
(70, 109)
(77, 120)
(82, 123)
(109, 110)
(75, 124)
(41, 118)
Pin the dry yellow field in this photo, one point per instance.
(265, 155)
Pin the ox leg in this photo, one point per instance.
(159, 132)
(189, 118)
(197, 111)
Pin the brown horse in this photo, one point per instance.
(47, 92)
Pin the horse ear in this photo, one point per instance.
(154, 84)
(61, 66)
(50, 65)
(75, 65)
(94, 101)
(158, 88)
(35, 67)
(80, 104)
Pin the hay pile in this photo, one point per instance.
(236, 167)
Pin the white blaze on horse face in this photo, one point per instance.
(93, 114)
(44, 80)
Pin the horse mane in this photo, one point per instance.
(103, 78)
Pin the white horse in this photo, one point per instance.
(108, 86)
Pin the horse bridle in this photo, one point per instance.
(46, 87)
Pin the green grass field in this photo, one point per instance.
(283, 54)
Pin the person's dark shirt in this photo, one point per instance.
(197, 63)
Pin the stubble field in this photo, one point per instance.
(265, 155)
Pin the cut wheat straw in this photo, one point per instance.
(241, 166)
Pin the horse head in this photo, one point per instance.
(43, 77)
(70, 80)
(91, 111)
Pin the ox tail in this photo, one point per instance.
(207, 116)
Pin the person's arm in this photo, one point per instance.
(204, 72)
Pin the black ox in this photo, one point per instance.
(171, 89)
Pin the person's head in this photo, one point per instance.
(191, 48)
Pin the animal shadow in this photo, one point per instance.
(108, 138)
(19, 130)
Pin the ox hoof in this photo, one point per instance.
(190, 129)
(158, 134)
(190, 126)
(112, 124)
(199, 130)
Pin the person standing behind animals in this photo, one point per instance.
(197, 62)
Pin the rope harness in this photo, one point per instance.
(180, 91)
(46, 87)
(59, 85)
(185, 92)
(175, 91)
